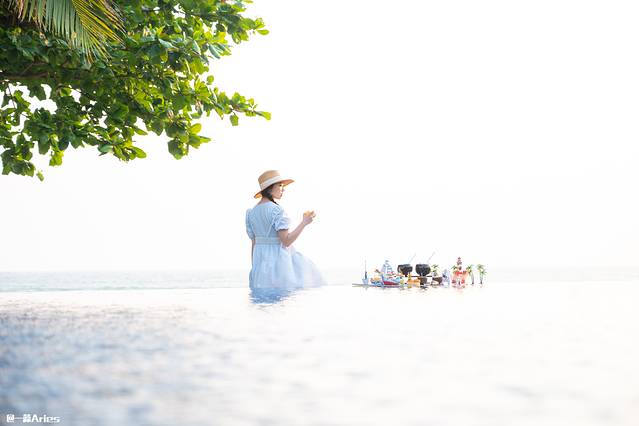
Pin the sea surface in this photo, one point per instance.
(197, 348)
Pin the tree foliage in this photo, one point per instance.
(157, 79)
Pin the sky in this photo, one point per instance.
(502, 132)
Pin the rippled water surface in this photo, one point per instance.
(502, 354)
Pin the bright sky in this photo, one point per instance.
(503, 132)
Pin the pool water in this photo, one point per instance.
(499, 354)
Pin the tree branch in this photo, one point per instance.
(16, 78)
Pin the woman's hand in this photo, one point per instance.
(308, 217)
(287, 238)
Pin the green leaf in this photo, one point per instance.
(63, 144)
(166, 44)
(176, 148)
(138, 152)
(214, 52)
(43, 146)
(234, 119)
(37, 92)
(56, 158)
(157, 126)
(106, 148)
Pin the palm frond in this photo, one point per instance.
(87, 24)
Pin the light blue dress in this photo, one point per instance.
(274, 265)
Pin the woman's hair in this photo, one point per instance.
(266, 192)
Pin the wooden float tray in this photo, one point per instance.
(434, 282)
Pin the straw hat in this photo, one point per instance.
(268, 178)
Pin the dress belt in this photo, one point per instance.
(267, 240)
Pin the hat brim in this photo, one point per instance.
(284, 181)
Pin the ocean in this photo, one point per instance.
(181, 348)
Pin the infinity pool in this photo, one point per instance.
(502, 354)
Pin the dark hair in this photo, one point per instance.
(266, 192)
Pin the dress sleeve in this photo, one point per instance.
(280, 219)
(249, 228)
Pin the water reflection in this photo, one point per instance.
(270, 295)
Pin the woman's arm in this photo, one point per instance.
(252, 248)
(287, 238)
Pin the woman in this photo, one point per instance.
(275, 263)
